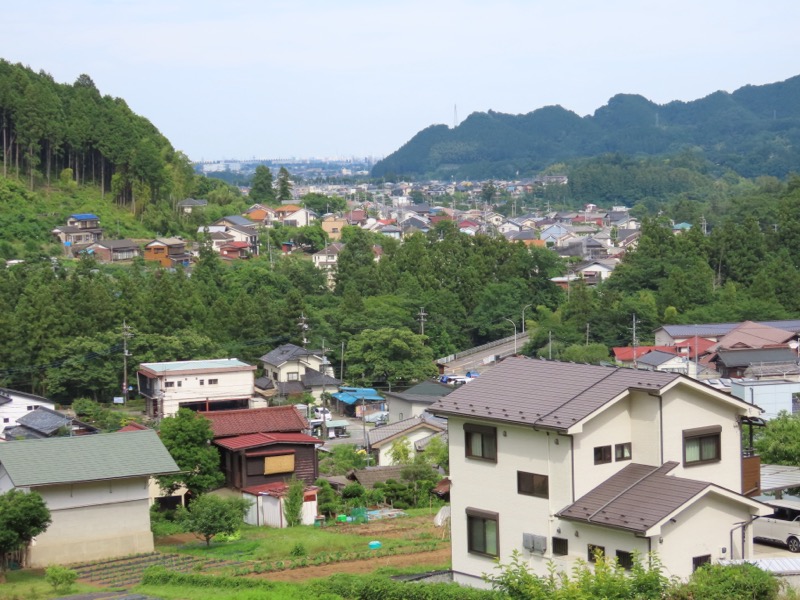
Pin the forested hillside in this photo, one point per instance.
(752, 131)
(62, 319)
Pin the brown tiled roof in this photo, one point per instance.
(226, 423)
(545, 393)
(636, 498)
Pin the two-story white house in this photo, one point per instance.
(558, 460)
(295, 370)
(14, 404)
(216, 384)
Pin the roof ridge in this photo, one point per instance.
(563, 404)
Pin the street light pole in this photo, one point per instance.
(523, 317)
(515, 334)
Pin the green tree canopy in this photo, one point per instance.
(187, 436)
(23, 516)
(210, 515)
(389, 354)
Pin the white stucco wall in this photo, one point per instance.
(682, 409)
(413, 437)
(492, 487)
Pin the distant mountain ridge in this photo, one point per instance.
(753, 131)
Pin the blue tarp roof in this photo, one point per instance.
(85, 217)
(351, 395)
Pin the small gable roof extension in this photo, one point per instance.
(565, 393)
(655, 358)
(626, 500)
(226, 423)
(425, 392)
(44, 422)
(257, 440)
(369, 476)
(77, 459)
(381, 435)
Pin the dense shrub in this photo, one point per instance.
(61, 578)
(729, 582)
(158, 575)
(374, 587)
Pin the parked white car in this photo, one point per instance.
(320, 412)
(782, 526)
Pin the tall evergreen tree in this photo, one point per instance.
(262, 189)
(284, 185)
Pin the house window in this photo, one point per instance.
(699, 561)
(180, 384)
(622, 451)
(560, 546)
(169, 384)
(701, 445)
(481, 442)
(291, 377)
(532, 484)
(594, 552)
(482, 532)
(213, 381)
(30, 408)
(602, 455)
(5, 419)
(625, 559)
(202, 382)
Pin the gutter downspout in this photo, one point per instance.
(743, 525)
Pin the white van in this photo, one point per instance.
(782, 526)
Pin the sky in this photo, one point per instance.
(263, 79)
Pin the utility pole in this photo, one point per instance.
(635, 342)
(324, 397)
(587, 334)
(126, 333)
(303, 328)
(422, 314)
(550, 345)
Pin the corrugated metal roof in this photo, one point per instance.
(636, 498)
(656, 357)
(545, 393)
(104, 456)
(255, 440)
(717, 329)
(749, 356)
(226, 423)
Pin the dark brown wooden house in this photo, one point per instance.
(264, 445)
(259, 458)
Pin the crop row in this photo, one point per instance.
(330, 558)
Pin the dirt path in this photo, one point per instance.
(423, 560)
